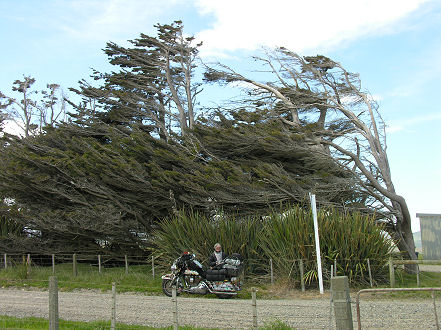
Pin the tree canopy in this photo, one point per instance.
(133, 150)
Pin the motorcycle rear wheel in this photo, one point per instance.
(167, 288)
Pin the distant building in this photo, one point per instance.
(430, 235)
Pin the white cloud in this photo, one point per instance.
(112, 19)
(297, 25)
(399, 126)
(12, 127)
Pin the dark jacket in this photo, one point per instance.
(212, 261)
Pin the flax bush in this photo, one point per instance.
(197, 233)
(349, 239)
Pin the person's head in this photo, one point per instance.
(217, 247)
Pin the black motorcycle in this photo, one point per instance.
(189, 276)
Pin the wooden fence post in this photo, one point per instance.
(369, 271)
(53, 264)
(418, 275)
(302, 280)
(175, 308)
(53, 303)
(335, 267)
(126, 261)
(153, 266)
(434, 309)
(99, 263)
(113, 318)
(342, 303)
(74, 265)
(391, 273)
(254, 307)
(28, 265)
(6, 261)
(271, 271)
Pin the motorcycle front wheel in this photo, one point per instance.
(167, 288)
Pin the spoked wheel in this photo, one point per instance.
(167, 287)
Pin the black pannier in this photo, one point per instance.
(216, 275)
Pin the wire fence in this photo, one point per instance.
(113, 308)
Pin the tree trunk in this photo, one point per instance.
(403, 234)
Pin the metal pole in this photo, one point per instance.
(53, 303)
(271, 271)
(332, 271)
(99, 263)
(370, 274)
(113, 318)
(175, 308)
(254, 307)
(317, 243)
(302, 279)
(6, 261)
(434, 309)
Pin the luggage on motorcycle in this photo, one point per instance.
(233, 265)
(216, 274)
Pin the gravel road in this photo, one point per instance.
(156, 311)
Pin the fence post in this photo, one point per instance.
(53, 303)
(28, 265)
(175, 308)
(434, 308)
(302, 280)
(335, 267)
(74, 265)
(342, 303)
(126, 263)
(153, 266)
(99, 263)
(254, 307)
(6, 261)
(53, 264)
(370, 274)
(113, 317)
(271, 271)
(418, 275)
(391, 273)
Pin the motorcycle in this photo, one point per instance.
(189, 276)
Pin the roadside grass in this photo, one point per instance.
(7, 322)
(139, 279)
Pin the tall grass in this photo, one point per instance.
(350, 239)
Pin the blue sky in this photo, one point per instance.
(394, 45)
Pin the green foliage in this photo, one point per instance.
(197, 233)
(285, 238)
(349, 239)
